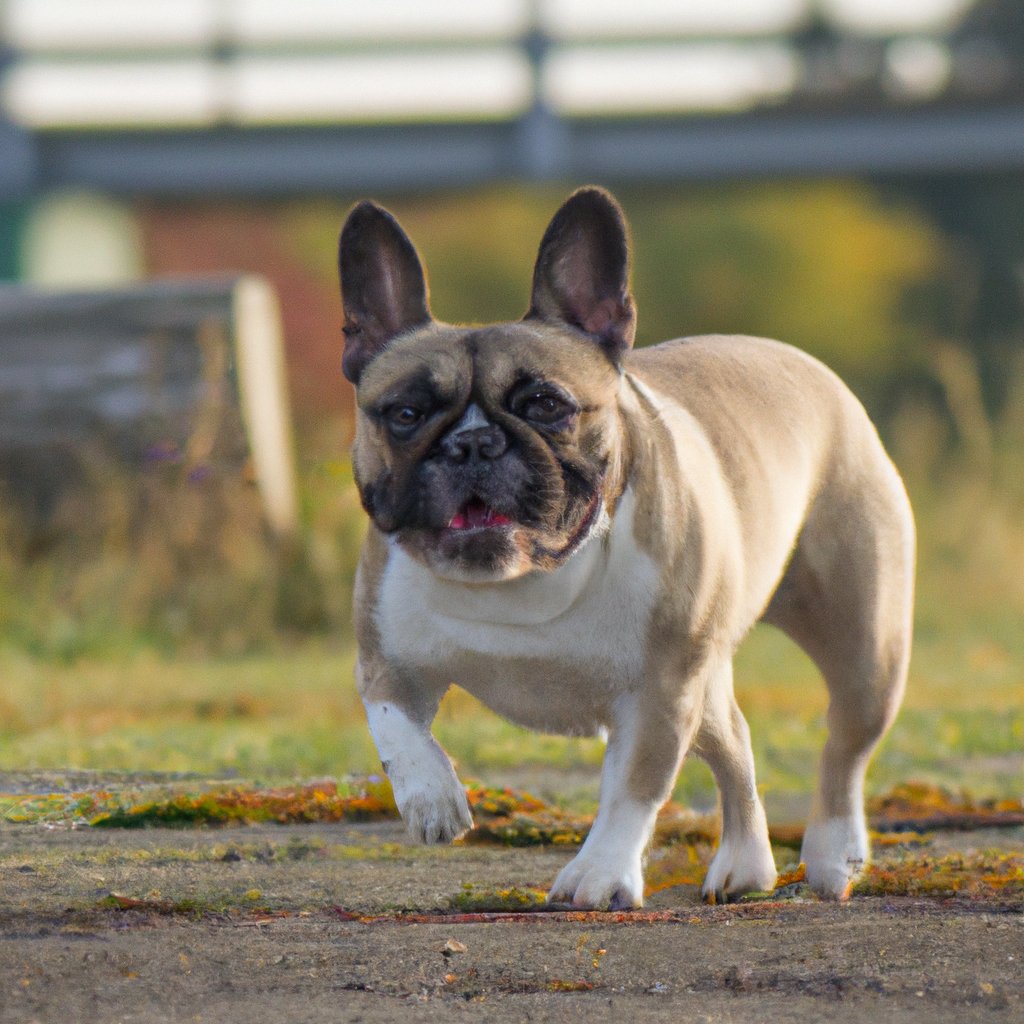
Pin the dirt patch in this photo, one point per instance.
(329, 922)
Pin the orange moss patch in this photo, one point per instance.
(549, 828)
(679, 864)
(923, 805)
(474, 899)
(886, 839)
(501, 803)
(794, 877)
(504, 816)
(976, 874)
(247, 906)
(359, 799)
(363, 800)
(529, 822)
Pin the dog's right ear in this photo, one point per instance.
(582, 272)
(383, 288)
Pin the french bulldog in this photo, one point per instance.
(580, 534)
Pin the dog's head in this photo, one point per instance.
(489, 451)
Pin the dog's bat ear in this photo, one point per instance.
(383, 287)
(582, 272)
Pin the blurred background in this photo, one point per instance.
(846, 175)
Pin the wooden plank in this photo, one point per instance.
(189, 371)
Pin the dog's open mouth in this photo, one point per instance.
(475, 515)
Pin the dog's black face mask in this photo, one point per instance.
(486, 451)
(478, 453)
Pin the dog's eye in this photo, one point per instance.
(543, 408)
(402, 420)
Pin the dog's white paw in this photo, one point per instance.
(595, 883)
(434, 809)
(834, 853)
(739, 867)
(428, 793)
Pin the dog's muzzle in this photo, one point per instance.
(474, 438)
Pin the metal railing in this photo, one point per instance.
(194, 96)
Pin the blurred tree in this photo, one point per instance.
(824, 266)
(982, 216)
(984, 221)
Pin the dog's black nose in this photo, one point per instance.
(476, 443)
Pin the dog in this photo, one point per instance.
(580, 534)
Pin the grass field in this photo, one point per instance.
(281, 717)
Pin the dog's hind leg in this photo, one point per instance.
(846, 599)
(744, 861)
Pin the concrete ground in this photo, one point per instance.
(348, 923)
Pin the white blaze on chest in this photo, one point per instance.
(590, 613)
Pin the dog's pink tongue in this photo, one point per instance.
(475, 515)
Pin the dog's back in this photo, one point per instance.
(786, 432)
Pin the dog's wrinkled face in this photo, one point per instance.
(487, 451)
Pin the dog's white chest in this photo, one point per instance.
(548, 650)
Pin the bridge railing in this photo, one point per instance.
(313, 94)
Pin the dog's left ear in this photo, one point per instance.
(383, 287)
(582, 272)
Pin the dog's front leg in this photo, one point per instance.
(429, 796)
(646, 744)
